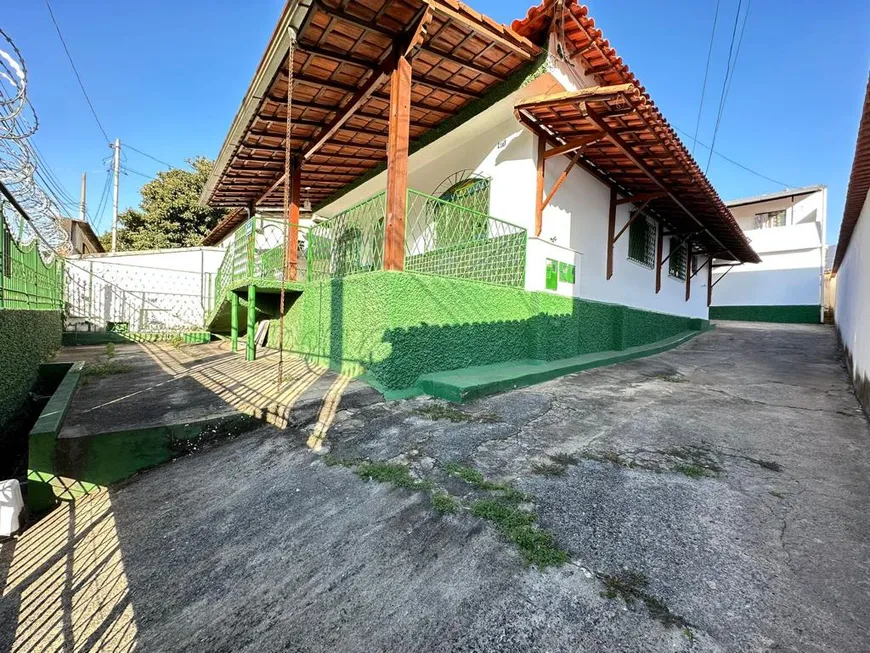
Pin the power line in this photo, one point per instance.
(130, 147)
(738, 164)
(136, 172)
(729, 72)
(739, 43)
(706, 74)
(75, 70)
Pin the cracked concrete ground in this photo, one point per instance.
(730, 476)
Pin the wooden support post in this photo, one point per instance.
(561, 179)
(611, 231)
(660, 250)
(292, 228)
(397, 164)
(539, 188)
(234, 321)
(710, 283)
(251, 333)
(688, 269)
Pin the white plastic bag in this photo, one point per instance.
(11, 506)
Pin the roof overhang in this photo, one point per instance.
(859, 183)
(340, 100)
(623, 142)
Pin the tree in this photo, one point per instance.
(169, 214)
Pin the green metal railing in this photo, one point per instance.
(447, 239)
(442, 238)
(350, 243)
(26, 282)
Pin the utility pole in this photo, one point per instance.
(83, 203)
(117, 147)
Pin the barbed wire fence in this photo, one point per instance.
(96, 295)
(19, 162)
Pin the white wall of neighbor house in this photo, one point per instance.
(151, 290)
(852, 314)
(791, 271)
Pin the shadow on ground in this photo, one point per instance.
(712, 498)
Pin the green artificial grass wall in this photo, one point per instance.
(396, 326)
(27, 338)
(801, 314)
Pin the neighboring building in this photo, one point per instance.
(787, 230)
(82, 239)
(140, 292)
(852, 265)
(489, 194)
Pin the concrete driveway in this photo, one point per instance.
(713, 498)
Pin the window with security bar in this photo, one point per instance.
(770, 219)
(677, 260)
(642, 241)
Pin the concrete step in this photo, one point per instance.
(473, 382)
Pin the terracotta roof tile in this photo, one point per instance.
(859, 183)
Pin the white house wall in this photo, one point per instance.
(852, 313)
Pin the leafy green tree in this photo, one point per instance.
(169, 214)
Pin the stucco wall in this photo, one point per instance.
(27, 338)
(396, 326)
(852, 314)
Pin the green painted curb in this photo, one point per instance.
(43, 436)
(474, 382)
(52, 416)
(791, 314)
(66, 469)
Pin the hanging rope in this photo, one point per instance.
(287, 181)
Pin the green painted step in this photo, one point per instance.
(473, 382)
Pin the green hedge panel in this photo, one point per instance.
(27, 338)
(396, 326)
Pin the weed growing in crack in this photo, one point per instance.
(691, 470)
(475, 478)
(536, 546)
(548, 469)
(110, 350)
(631, 586)
(444, 503)
(437, 412)
(393, 473)
(565, 459)
(104, 368)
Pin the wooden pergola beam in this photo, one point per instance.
(397, 164)
(574, 144)
(611, 231)
(645, 198)
(292, 229)
(444, 9)
(660, 246)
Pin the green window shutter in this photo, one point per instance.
(642, 241)
(677, 260)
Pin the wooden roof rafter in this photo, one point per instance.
(340, 108)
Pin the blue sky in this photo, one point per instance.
(167, 77)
